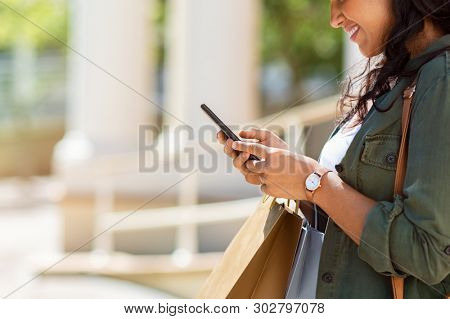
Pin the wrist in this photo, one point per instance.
(314, 182)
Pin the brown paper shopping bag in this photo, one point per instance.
(258, 261)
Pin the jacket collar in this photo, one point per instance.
(394, 95)
(439, 44)
(412, 65)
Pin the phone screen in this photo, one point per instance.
(225, 129)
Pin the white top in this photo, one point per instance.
(335, 148)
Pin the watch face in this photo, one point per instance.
(312, 182)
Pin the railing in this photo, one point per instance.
(187, 219)
(183, 243)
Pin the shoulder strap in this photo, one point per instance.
(398, 283)
(403, 153)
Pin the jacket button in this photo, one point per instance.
(391, 158)
(339, 168)
(447, 250)
(327, 277)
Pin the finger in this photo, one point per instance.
(240, 160)
(264, 188)
(255, 133)
(221, 137)
(229, 150)
(257, 167)
(253, 179)
(272, 191)
(262, 178)
(252, 148)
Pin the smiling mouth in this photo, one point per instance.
(353, 31)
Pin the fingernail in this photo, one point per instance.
(234, 145)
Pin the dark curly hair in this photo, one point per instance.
(409, 17)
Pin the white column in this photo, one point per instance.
(212, 58)
(111, 63)
(109, 80)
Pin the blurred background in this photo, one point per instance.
(80, 217)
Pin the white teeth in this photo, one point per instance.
(353, 31)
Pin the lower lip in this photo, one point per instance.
(353, 37)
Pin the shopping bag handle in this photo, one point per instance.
(288, 202)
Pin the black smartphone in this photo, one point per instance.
(225, 129)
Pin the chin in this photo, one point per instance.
(370, 52)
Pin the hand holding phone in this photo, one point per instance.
(225, 129)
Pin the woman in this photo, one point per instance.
(372, 235)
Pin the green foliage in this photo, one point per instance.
(17, 18)
(298, 32)
(159, 19)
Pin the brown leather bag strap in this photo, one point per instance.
(403, 153)
(398, 287)
(398, 283)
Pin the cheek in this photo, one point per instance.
(380, 35)
(375, 18)
(375, 29)
(379, 26)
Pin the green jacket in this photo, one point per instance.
(412, 230)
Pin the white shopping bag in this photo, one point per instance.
(303, 277)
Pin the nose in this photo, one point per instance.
(336, 18)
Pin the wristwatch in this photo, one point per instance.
(312, 183)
